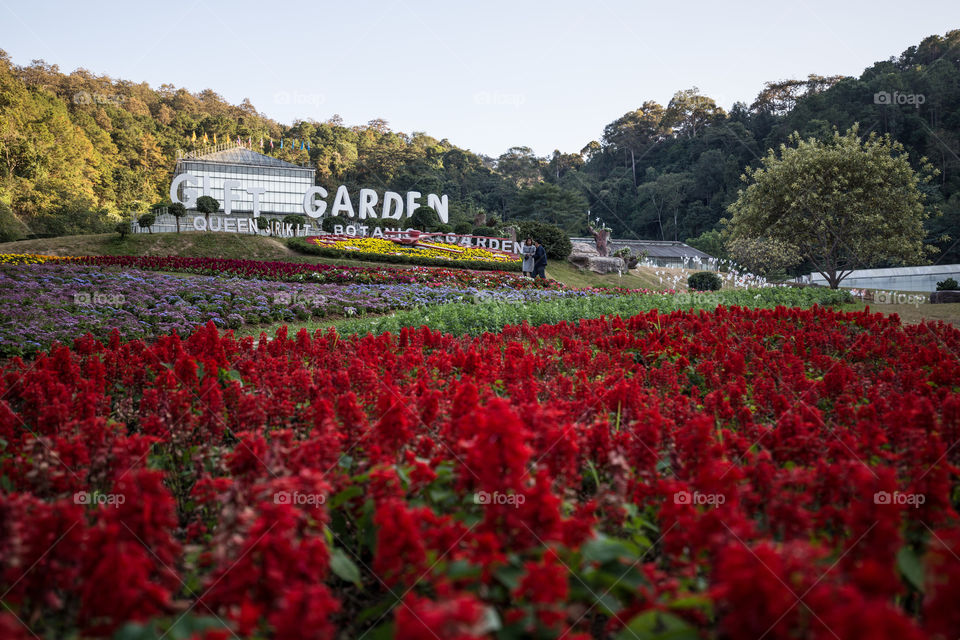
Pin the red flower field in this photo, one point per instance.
(735, 474)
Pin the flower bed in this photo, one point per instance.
(299, 272)
(425, 249)
(736, 474)
(396, 255)
(58, 301)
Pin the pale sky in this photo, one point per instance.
(485, 75)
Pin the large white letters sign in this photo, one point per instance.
(392, 207)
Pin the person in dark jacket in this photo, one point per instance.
(539, 261)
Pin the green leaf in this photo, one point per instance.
(701, 603)
(509, 575)
(657, 625)
(911, 566)
(602, 549)
(344, 567)
(350, 492)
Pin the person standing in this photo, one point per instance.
(528, 250)
(540, 261)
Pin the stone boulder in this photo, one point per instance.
(584, 249)
(944, 297)
(599, 264)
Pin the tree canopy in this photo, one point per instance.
(844, 203)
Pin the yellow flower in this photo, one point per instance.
(436, 249)
(24, 258)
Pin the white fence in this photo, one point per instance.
(897, 278)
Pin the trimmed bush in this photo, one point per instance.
(552, 237)
(463, 228)
(487, 232)
(329, 223)
(297, 221)
(704, 281)
(948, 285)
(146, 221)
(424, 219)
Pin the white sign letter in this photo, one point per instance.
(368, 198)
(256, 192)
(441, 205)
(412, 204)
(390, 199)
(189, 200)
(311, 207)
(342, 202)
(228, 187)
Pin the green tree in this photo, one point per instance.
(11, 228)
(666, 195)
(424, 219)
(710, 242)
(635, 133)
(146, 220)
(207, 205)
(296, 220)
(555, 205)
(177, 210)
(123, 228)
(844, 203)
(764, 256)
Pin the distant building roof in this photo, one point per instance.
(242, 156)
(655, 248)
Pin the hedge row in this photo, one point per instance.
(301, 245)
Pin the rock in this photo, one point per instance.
(944, 297)
(599, 264)
(579, 259)
(584, 249)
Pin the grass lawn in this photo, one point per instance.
(190, 244)
(913, 314)
(572, 276)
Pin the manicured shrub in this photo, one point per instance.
(553, 238)
(329, 223)
(207, 205)
(487, 232)
(424, 219)
(947, 285)
(146, 220)
(704, 281)
(296, 220)
(463, 228)
(177, 210)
